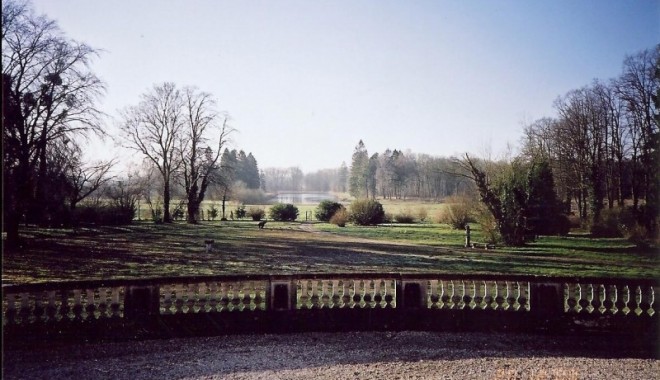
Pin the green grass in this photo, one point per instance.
(148, 250)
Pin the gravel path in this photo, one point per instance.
(354, 355)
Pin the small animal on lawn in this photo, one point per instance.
(262, 224)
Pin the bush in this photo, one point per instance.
(284, 212)
(614, 222)
(240, 211)
(422, 214)
(326, 209)
(488, 224)
(212, 213)
(365, 212)
(256, 213)
(404, 216)
(340, 218)
(103, 215)
(457, 211)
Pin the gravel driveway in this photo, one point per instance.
(353, 355)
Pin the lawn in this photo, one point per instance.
(148, 250)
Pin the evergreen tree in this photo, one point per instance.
(357, 185)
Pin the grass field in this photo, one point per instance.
(148, 250)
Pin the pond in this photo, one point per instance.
(304, 198)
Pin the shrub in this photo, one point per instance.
(326, 209)
(365, 212)
(457, 211)
(404, 216)
(422, 214)
(488, 224)
(157, 215)
(103, 215)
(212, 213)
(256, 213)
(284, 212)
(340, 218)
(240, 211)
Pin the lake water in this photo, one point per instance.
(304, 198)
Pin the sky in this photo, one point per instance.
(304, 81)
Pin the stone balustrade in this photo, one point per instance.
(383, 300)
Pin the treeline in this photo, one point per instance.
(391, 174)
(394, 174)
(603, 143)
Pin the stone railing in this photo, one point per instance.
(225, 304)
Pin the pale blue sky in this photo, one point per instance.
(305, 80)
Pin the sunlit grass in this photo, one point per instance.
(148, 250)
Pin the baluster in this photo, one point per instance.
(335, 300)
(651, 310)
(600, 299)
(626, 299)
(104, 302)
(516, 300)
(465, 298)
(77, 305)
(167, 299)
(434, 298)
(51, 308)
(378, 297)
(479, 297)
(39, 309)
(496, 304)
(362, 292)
(444, 296)
(472, 302)
(524, 300)
(453, 296)
(224, 297)
(90, 304)
(315, 295)
(608, 299)
(302, 299)
(178, 298)
(507, 301)
(638, 301)
(10, 314)
(25, 310)
(325, 298)
(191, 297)
(567, 296)
(585, 301)
(345, 294)
(248, 297)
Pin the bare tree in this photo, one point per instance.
(49, 94)
(199, 158)
(154, 128)
(86, 179)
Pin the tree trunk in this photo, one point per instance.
(193, 210)
(167, 218)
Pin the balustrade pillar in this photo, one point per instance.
(547, 300)
(281, 295)
(411, 294)
(141, 302)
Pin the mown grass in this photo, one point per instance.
(149, 250)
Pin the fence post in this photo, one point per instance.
(467, 236)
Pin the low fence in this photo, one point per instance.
(180, 306)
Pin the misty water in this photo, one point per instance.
(304, 198)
